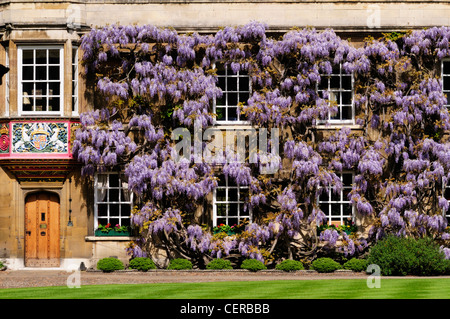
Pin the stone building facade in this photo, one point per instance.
(48, 212)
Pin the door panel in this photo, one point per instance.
(42, 230)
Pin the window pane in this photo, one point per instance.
(446, 67)
(27, 57)
(232, 84)
(335, 210)
(28, 73)
(102, 210)
(41, 88)
(232, 99)
(102, 221)
(125, 222)
(335, 82)
(27, 88)
(221, 221)
(347, 179)
(53, 56)
(244, 84)
(220, 194)
(54, 88)
(41, 56)
(114, 209)
(53, 72)
(221, 210)
(346, 82)
(447, 83)
(347, 112)
(220, 111)
(221, 82)
(27, 103)
(232, 113)
(113, 180)
(113, 195)
(41, 73)
(40, 104)
(346, 98)
(54, 104)
(125, 210)
(347, 209)
(233, 210)
(324, 208)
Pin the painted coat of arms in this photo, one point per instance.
(40, 137)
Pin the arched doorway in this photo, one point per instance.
(42, 247)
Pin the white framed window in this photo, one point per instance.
(228, 203)
(339, 86)
(236, 88)
(336, 205)
(41, 80)
(7, 86)
(74, 80)
(446, 194)
(445, 71)
(112, 200)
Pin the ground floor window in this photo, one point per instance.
(228, 203)
(112, 200)
(447, 197)
(336, 205)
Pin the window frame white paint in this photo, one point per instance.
(20, 80)
(225, 92)
(341, 121)
(107, 202)
(239, 202)
(74, 82)
(446, 92)
(341, 202)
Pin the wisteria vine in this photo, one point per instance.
(151, 80)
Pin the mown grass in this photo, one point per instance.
(403, 288)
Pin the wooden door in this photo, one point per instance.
(42, 230)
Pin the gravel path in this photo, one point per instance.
(42, 278)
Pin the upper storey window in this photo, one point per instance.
(339, 86)
(446, 80)
(40, 75)
(236, 89)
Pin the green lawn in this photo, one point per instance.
(405, 288)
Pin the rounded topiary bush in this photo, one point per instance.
(356, 264)
(325, 264)
(219, 264)
(179, 264)
(109, 264)
(253, 265)
(290, 265)
(142, 263)
(408, 256)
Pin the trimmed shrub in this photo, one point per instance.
(142, 263)
(290, 265)
(180, 264)
(400, 256)
(253, 265)
(356, 264)
(109, 264)
(219, 264)
(325, 264)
